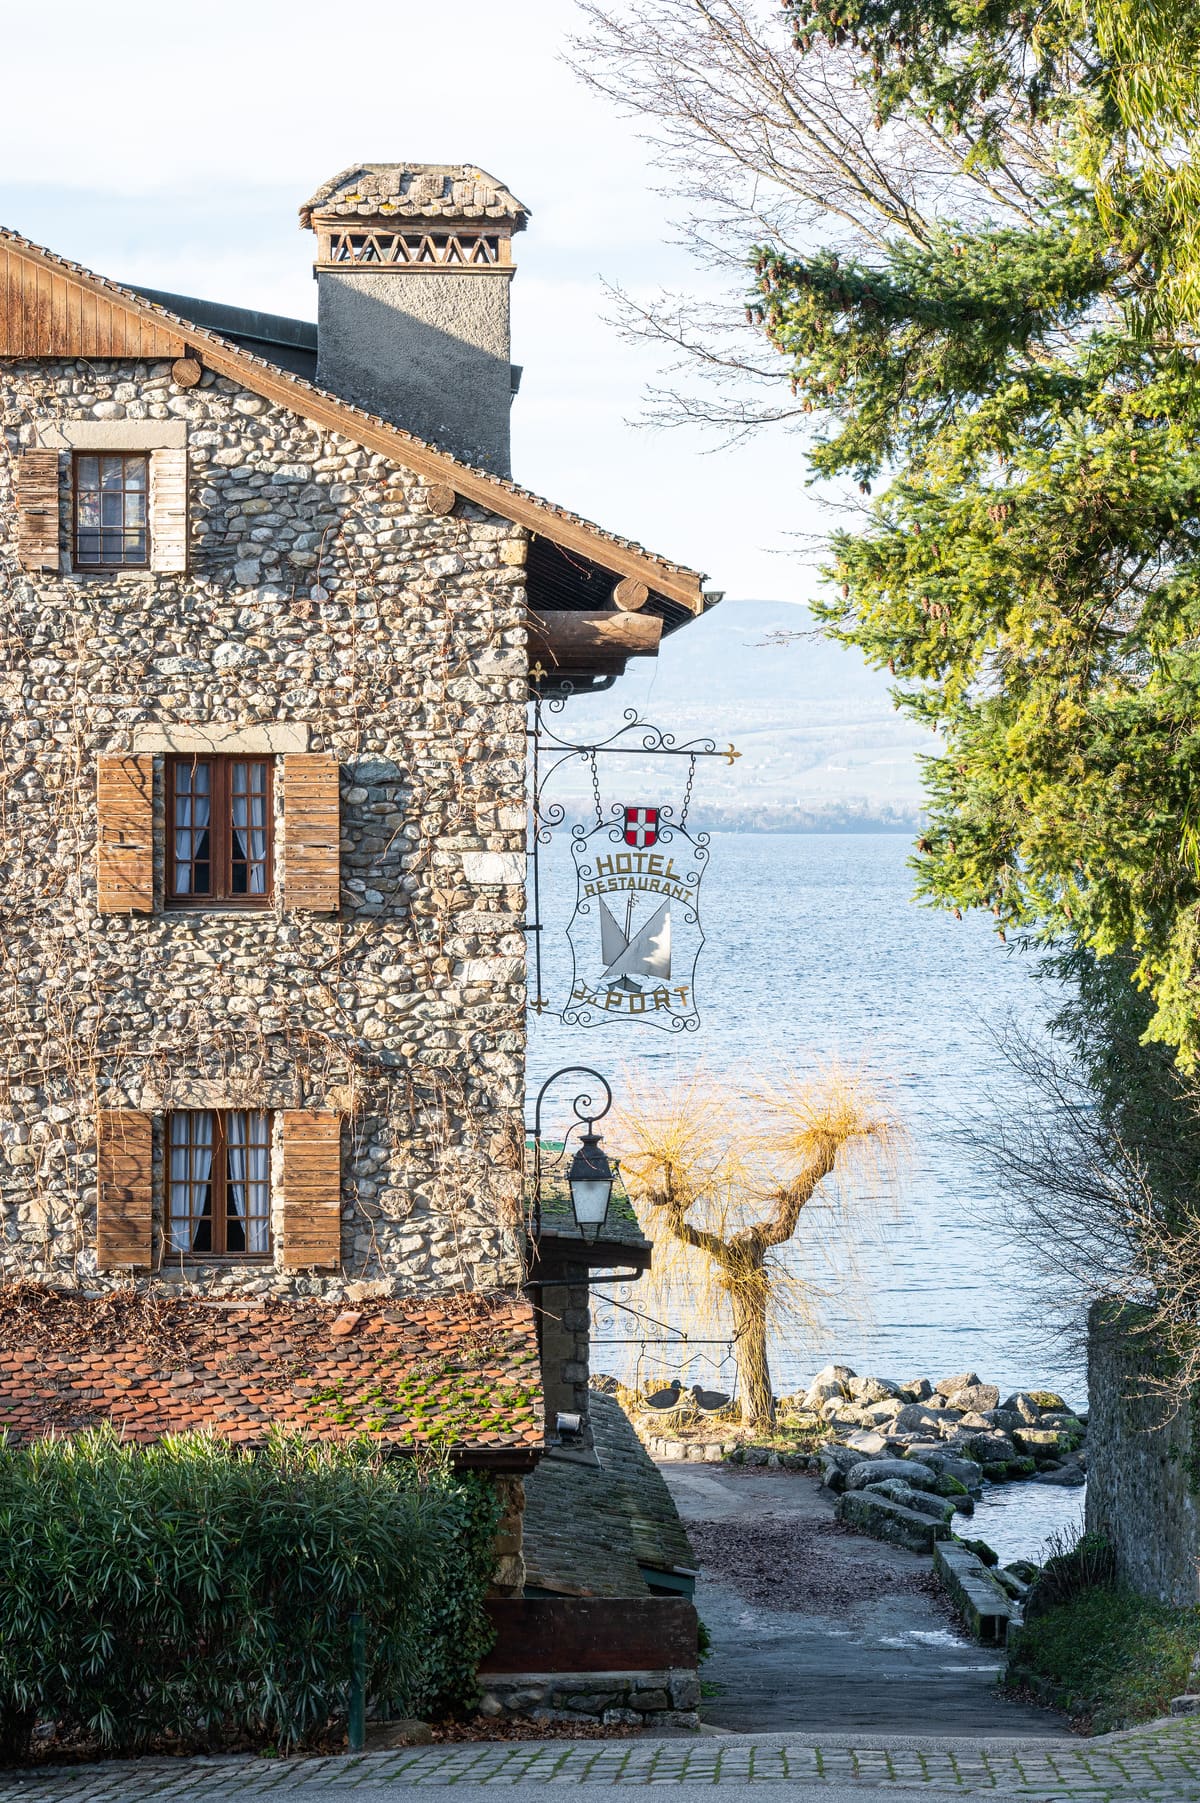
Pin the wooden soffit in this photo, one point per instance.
(49, 308)
(592, 641)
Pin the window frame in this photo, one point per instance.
(220, 829)
(86, 567)
(218, 1192)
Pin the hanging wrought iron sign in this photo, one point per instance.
(635, 933)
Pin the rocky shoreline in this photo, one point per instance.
(959, 1421)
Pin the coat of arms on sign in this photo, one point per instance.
(641, 827)
(636, 934)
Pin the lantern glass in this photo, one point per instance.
(591, 1182)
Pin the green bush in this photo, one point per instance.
(187, 1591)
(1075, 1566)
(1107, 1658)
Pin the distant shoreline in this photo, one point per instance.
(721, 820)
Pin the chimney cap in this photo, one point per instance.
(414, 191)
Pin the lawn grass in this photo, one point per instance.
(1107, 1657)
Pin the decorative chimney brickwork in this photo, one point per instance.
(413, 269)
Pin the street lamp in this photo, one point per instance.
(590, 1175)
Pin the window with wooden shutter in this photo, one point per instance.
(311, 833)
(37, 510)
(124, 1204)
(125, 834)
(220, 832)
(168, 510)
(312, 1189)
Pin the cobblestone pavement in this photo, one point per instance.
(1160, 1764)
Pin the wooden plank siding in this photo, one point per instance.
(125, 834)
(312, 1190)
(311, 833)
(45, 312)
(124, 1190)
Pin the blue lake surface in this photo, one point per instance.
(815, 947)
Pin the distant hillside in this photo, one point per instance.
(821, 742)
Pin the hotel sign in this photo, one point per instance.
(635, 934)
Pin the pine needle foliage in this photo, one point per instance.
(722, 1182)
(978, 297)
(185, 1592)
(1027, 389)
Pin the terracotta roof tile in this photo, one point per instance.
(461, 1372)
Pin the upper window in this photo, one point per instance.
(218, 1183)
(111, 494)
(219, 815)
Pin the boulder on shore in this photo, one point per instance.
(963, 1381)
(925, 1502)
(974, 1399)
(876, 1471)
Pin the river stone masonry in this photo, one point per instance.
(326, 603)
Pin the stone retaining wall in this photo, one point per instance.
(666, 1699)
(1142, 1492)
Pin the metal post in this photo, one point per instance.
(358, 1683)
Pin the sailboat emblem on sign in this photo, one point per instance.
(638, 879)
(627, 954)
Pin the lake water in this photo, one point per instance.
(814, 947)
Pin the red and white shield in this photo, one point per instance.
(641, 827)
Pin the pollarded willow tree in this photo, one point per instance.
(723, 1183)
(975, 237)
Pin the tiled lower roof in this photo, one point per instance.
(593, 1530)
(459, 1372)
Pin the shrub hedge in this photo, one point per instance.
(187, 1592)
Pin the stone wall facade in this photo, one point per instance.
(564, 1324)
(325, 606)
(1143, 1477)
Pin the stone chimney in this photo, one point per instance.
(414, 262)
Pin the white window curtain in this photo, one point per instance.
(249, 823)
(191, 1173)
(248, 1164)
(193, 805)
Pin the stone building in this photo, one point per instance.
(270, 603)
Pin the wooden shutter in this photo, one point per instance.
(124, 1208)
(311, 833)
(312, 1189)
(168, 510)
(37, 510)
(125, 835)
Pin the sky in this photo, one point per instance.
(172, 145)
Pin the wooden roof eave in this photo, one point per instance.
(473, 485)
(324, 409)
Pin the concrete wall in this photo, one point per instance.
(428, 352)
(1141, 1485)
(322, 599)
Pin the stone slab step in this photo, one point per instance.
(868, 1513)
(983, 1604)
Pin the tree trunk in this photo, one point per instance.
(749, 1303)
